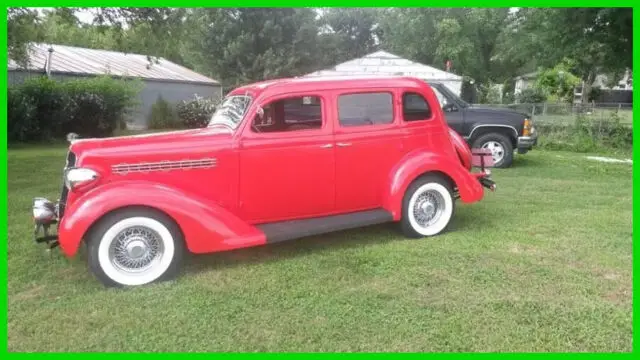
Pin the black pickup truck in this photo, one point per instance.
(503, 131)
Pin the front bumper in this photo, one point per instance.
(526, 143)
(45, 214)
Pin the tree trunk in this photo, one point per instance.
(588, 84)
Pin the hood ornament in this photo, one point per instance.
(72, 137)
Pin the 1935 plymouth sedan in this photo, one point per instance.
(279, 160)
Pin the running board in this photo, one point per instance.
(293, 229)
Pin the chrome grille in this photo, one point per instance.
(70, 162)
(122, 169)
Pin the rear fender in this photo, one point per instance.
(419, 162)
(462, 148)
(207, 227)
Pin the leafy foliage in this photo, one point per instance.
(162, 115)
(533, 95)
(596, 39)
(43, 109)
(557, 83)
(197, 112)
(466, 36)
(21, 30)
(249, 44)
(240, 45)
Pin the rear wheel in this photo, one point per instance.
(135, 247)
(500, 146)
(427, 207)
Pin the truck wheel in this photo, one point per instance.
(500, 146)
(427, 207)
(135, 247)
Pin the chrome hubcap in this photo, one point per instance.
(136, 249)
(497, 150)
(428, 208)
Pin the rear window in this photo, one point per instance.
(415, 107)
(365, 109)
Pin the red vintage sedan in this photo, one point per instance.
(279, 160)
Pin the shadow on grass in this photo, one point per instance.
(464, 219)
(327, 243)
(522, 160)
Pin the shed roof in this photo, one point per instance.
(82, 61)
(528, 76)
(384, 63)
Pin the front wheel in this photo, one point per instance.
(134, 247)
(427, 207)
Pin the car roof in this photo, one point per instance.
(330, 82)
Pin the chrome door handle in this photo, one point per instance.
(343, 144)
(326, 146)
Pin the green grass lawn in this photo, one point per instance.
(543, 264)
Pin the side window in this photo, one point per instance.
(290, 114)
(415, 107)
(365, 109)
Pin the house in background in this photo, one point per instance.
(525, 81)
(164, 78)
(384, 63)
(620, 93)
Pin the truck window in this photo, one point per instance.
(441, 98)
(290, 114)
(415, 107)
(365, 109)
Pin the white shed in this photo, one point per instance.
(384, 63)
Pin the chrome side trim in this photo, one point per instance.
(515, 132)
(123, 169)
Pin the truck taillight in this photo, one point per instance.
(526, 131)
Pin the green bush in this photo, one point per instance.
(41, 109)
(162, 115)
(532, 95)
(196, 113)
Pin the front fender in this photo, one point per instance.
(420, 162)
(206, 227)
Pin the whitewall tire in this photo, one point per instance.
(135, 247)
(428, 207)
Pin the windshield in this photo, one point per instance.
(231, 111)
(445, 96)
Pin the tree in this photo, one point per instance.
(598, 40)
(558, 82)
(241, 45)
(352, 31)
(158, 29)
(22, 28)
(466, 36)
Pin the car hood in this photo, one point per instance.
(167, 144)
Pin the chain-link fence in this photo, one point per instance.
(566, 114)
(581, 127)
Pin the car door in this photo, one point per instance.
(368, 143)
(287, 164)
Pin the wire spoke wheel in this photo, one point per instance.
(136, 249)
(428, 207)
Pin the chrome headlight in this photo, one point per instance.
(75, 177)
(44, 211)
